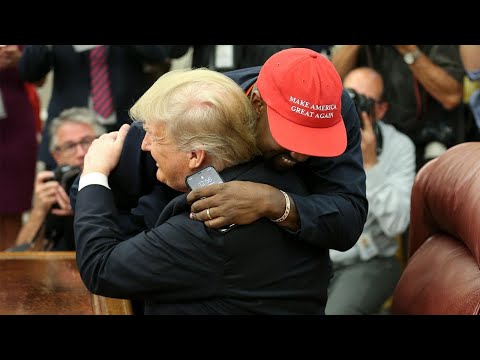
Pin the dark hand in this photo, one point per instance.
(234, 202)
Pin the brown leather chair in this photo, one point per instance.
(442, 275)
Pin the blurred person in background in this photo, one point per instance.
(424, 85)
(51, 218)
(19, 107)
(225, 58)
(105, 78)
(366, 275)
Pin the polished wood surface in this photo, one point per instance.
(48, 283)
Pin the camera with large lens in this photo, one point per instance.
(362, 103)
(365, 103)
(66, 175)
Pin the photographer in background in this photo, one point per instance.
(423, 84)
(71, 134)
(366, 275)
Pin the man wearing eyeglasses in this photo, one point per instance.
(51, 216)
(366, 274)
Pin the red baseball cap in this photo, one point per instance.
(303, 93)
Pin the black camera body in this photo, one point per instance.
(362, 103)
(66, 175)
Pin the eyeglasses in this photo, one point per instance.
(69, 148)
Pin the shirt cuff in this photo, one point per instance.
(93, 178)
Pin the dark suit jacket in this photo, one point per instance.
(71, 80)
(182, 267)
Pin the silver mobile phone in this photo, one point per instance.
(204, 177)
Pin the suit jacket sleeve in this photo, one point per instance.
(130, 223)
(335, 214)
(133, 177)
(35, 63)
(168, 263)
(135, 173)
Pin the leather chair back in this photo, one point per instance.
(442, 275)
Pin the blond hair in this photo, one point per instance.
(202, 110)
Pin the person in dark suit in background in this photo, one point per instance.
(124, 76)
(195, 118)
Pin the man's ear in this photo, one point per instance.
(196, 159)
(257, 102)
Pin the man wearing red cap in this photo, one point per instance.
(303, 111)
(305, 120)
